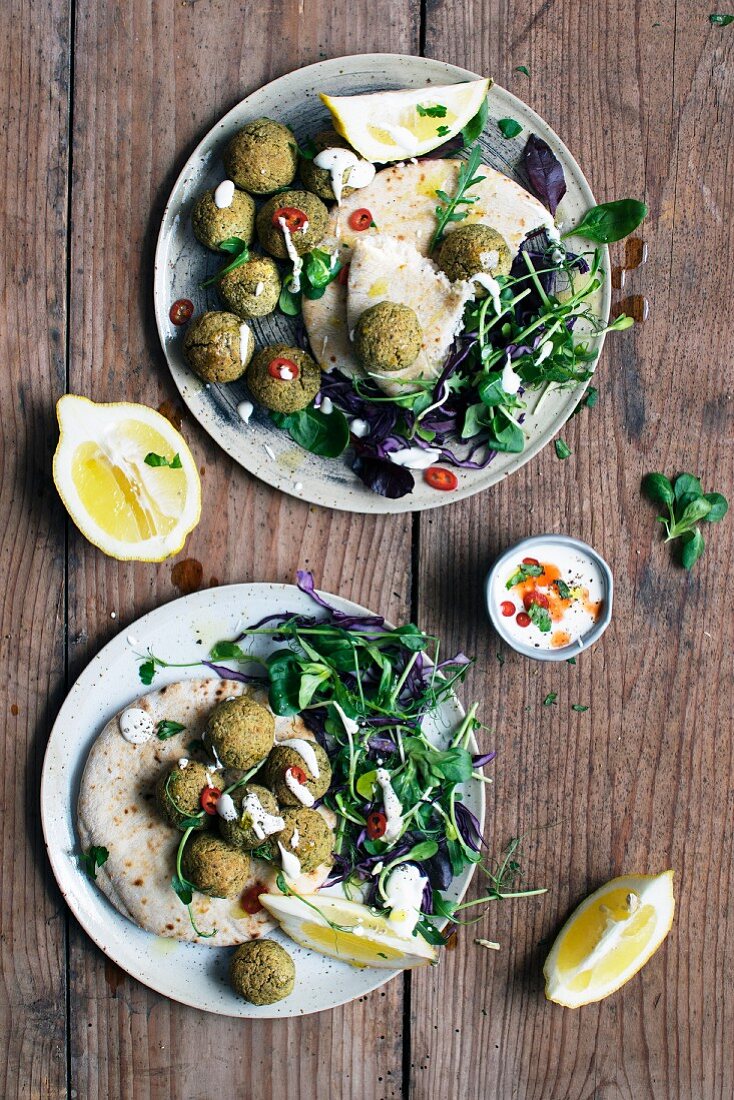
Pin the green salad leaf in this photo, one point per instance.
(318, 432)
(610, 221)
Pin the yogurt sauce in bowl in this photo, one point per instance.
(550, 596)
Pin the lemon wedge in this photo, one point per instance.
(362, 938)
(386, 126)
(128, 508)
(608, 938)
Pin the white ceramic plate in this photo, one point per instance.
(193, 974)
(181, 264)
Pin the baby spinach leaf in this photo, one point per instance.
(506, 436)
(687, 484)
(697, 510)
(237, 248)
(308, 150)
(475, 126)
(316, 432)
(693, 547)
(719, 507)
(312, 677)
(166, 729)
(284, 670)
(657, 488)
(610, 221)
(288, 302)
(718, 19)
(183, 889)
(550, 698)
(578, 707)
(509, 127)
(562, 449)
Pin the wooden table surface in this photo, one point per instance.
(103, 104)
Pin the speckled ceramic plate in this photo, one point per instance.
(181, 264)
(193, 974)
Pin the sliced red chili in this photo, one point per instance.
(376, 825)
(438, 477)
(530, 561)
(507, 608)
(181, 311)
(285, 370)
(294, 218)
(523, 619)
(209, 798)
(343, 276)
(298, 774)
(361, 219)
(535, 597)
(250, 898)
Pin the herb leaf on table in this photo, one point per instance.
(687, 505)
(610, 221)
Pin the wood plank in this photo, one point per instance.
(149, 81)
(34, 58)
(643, 780)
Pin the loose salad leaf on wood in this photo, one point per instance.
(610, 221)
(687, 505)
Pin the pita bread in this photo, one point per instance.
(117, 809)
(402, 201)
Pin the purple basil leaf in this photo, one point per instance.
(545, 172)
(438, 868)
(233, 674)
(384, 477)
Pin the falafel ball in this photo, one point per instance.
(213, 867)
(178, 792)
(271, 234)
(252, 289)
(251, 828)
(241, 731)
(212, 224)
(387, 337)
(284, 757)
(262, 156)
(472, 250)
(218, 346)
(284, 394)
(307, 835)
(262, 972)
(317, 179)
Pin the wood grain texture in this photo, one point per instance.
(33, 181)
(150, 79)
(643, 780)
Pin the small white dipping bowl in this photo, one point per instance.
(542, 546)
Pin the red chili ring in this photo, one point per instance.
(361, 219)
(298, 774)
(376, 825)
(294, 218)
(181, 311)
(438, 477)
(208, 799)
(278, 366)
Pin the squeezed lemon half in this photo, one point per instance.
(362, 938)
(608, 938)
(387, 126)
(129, 509)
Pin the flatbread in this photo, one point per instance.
(117, 809)
(402, 201)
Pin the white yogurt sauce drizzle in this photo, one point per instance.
(391, 804)
(136, 725)
(263, 823)
(359, 428)
(246, 342)
(293, 254)
(337, 162)
(306, 751)
(295, 839)
(224, 195)
(403, 894)
(350, 725)
(545, 350)
(415, 458)
(492, 287)
(298, 790)
(183, 763)
(290, 862)
(226, 807)
(245, 410)
(511, 381)
(327, 406)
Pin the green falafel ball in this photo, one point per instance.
(252, 803)
(218, 346)
(284, 757)
(307, 835)
(213, 867)
(271, 234)
(387, 337)
(284, 395)
(241, 731)
(472, 250)
(262, 156)
(317, 179)
(262, 972)
(178, 792)
(252, 289)
(212, 224)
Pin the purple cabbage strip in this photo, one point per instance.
(233, 674)
(482, 758)
(468, 826)
(381, 745)
(305, 581)
(544, 171)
